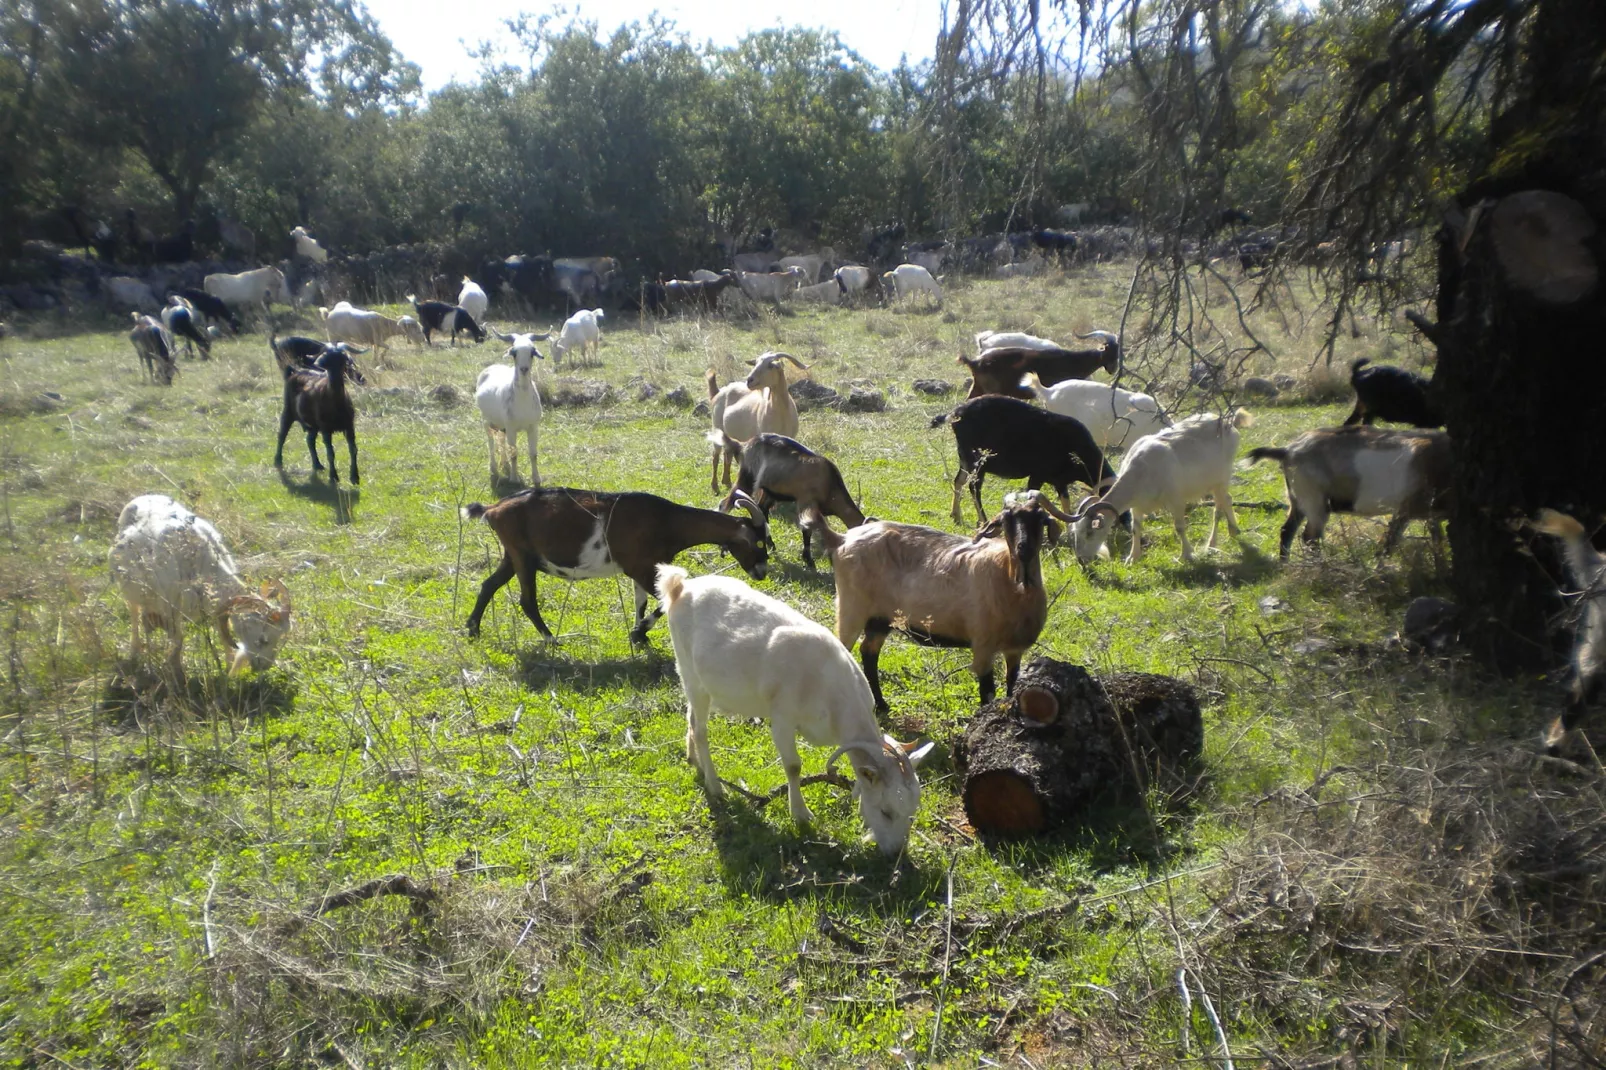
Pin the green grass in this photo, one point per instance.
(594, 908)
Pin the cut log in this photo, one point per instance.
(1063, 739)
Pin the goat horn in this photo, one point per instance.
(860, 746)
(743, 499)
(508, 338)
(1107, 337)
(1056, 512)
(794, 360)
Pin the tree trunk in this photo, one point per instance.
(1064, 739)
(1520, 368)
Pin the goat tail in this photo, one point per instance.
(1357, 365)
(1559, 524)
(940, 419)
(1266, 453)
(1243, 418)
(713, 383)
(671, 585)
(473, 511)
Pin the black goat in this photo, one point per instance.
(213, 308)
(999, 371)
(441, 316)
(783, 469)
(703, 296)
(316, 398)
(1392, 394)
(581, 534)
(1008, 438)
(183, 322)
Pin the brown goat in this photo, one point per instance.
(999, 371)
(316, 398)
(581, 534)
(783, 469)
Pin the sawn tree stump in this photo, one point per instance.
(1037, 758)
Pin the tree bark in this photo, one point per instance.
(1521, 373)
(1065, 739)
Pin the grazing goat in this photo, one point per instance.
(263, 286)
(986, 340)
(856, 280)
(582, 534)
(745, 409)
(778, 468)
(928, 258)
(1362, 470)
(1011, 439)
(771, 286)
(1165, 471)
(182, 321)
(702, 295)
(1392, 394)
(439, 316)
(307, 246)
(210, 307)
(751, 655)
(510, 403)
(907, 279)
(1588, 568)
(359, 326)
(824, 293)
(811, 263)
(983, 592)
(152, 349)
(473, 300)
(582, 331)
(172, 566)
(999, 370)
(1114, 417)
(316, 398)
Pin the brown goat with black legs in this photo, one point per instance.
(150, 346)
(999, 370)
(783, 469)
(316, 398)
(583, 534)
(984, 592)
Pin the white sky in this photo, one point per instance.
(438, 36)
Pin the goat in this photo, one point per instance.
(749, 654)
(316, 398)
(742, 410)
(999, 370)
(582, 534)
(1165, 471)
(297, 352)
(583, 330)
(1011, 439)
(1588, 568)
(1114, 417)
(986, 340)
(1383, 392)
(152, 349)
(307, 246)
(771, 286)
(783, 469)
(704, 275)
(811, 263)
(473, 300)
(181, 322)
(510, 403)
(172, 566)
(929, 257)
(265, 285)
(360, 326)
(439, 316)
(702, 295)
(828, 292)
(855, 280)
(983, 592)
(1362, 470)
(209, 307)
(907, 279)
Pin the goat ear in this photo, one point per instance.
(916, 755)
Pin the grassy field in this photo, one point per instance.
(1342, 889)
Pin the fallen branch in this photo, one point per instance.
(401, 884)
(761, 801)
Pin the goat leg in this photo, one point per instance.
(493, 583)
(351, 448)
(875, 634)
(329, 448)
(285, 421)
(312, 448)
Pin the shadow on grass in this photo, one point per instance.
(137, 691)
(546, 664)
(1115, 832)
(763, 853)
(342, 497)
(1214, 569)
(796, 572)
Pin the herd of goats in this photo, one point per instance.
(1034, 412)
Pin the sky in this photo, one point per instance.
(438, 36)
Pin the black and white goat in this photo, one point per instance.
(182, 321)
(778, 468)
(439, 316)
(583, 534)
(212, 309)
(1394, 395)
(999, 369)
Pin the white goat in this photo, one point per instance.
(825, 293)
(364, 328)
(264, 285)
(509, 402)
(172, 566)
(930, 259)
(744, 409)
(811, 263)
(1165, 471)
(986, 340)
(1114, 417)
(704, 275)
(772, 285)
(907, 279)
(307, 246)
(472, 299)
(1588, 568)
(751, 655)
(583, 330)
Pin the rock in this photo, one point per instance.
(681, 397)
(446, 396)
(1272, 604)
(865, 399)
(1312, 646)
(700, 409)
(933, 387)
(578, 393)
(1431, 624)
(809, 394)
(1256, 387)
(646, 391)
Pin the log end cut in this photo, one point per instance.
(1003, 803)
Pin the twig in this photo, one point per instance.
(1210, 1013)
(395, 884)
(835, 779)
(947, 948)
(206, 913)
